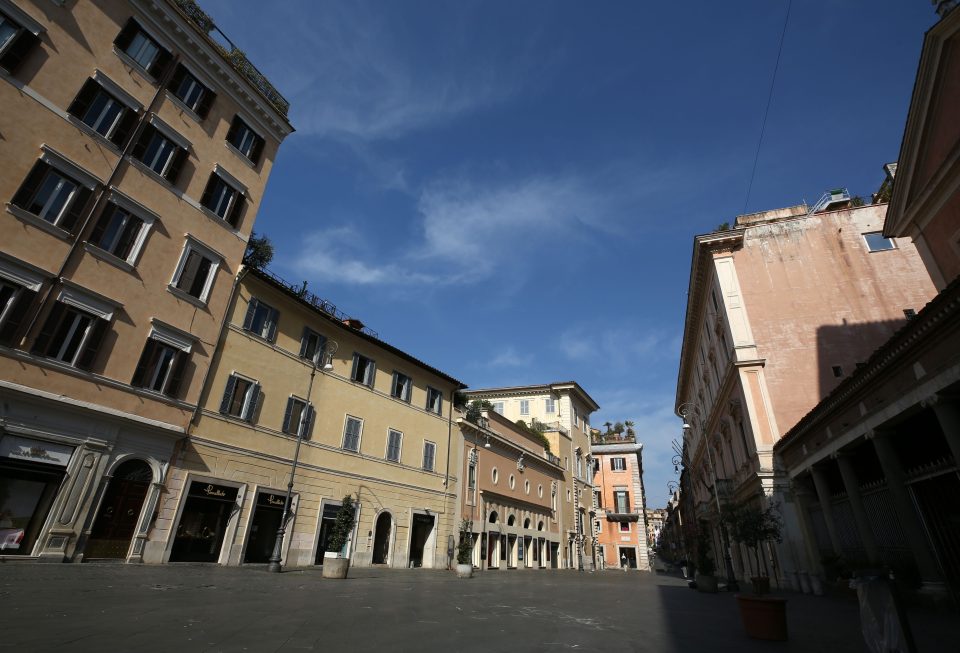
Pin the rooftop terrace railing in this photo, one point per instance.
(234, 55)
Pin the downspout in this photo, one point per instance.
(134, 137)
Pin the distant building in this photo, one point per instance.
(510, 495)
(782, 308)
(135, 152)
(376, 425)
(563, 409)
(655, 521)
(621, 507)
(874, 465)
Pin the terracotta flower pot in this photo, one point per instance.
(335, 567)
(764, 617)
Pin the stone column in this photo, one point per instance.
(823, 493)
(910, 522)
(852, 485)
(947, 410)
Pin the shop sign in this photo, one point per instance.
(271, 500)
(211, 491)
(37, 451)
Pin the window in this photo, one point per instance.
(401, 386)
(394, 441)
(579, 466)
(526, 487)
(434, 401)
(351, 433)
(194, 95)
(909, 313)
(161, 151)
(618, 464)
(142, 49)
(54, 196)
(195, 271)
(245, 140)
(569, 496)
(74, 329)
(223, 199)
(498, 407)
(550, 405)
(495, 475)
(877, 243)
(298, 417)
(598, 498)
(471, 477)
(261, 319)
(364, 370)
(18, 35)
(524, 407)
(240, 398)
(621, 499)
(540, 491)
(18, 287)
(312, 345)
(120, 232)
(513, 481)
(429, 454)
(103, 112)
(624, 527)
(162, 362)
(837, 371)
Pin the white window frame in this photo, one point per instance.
(194, 245)
(304, 412)
(247, 410)
(524, 407)
(615, 465)
(343, 441)
(438, 394)
(407, 394)
(146, 216)
(550, 405)
(386, 454)
(498, 407)
(433, 459)
(22, 18)
(369, 372)
(19, 274)
(893, 243)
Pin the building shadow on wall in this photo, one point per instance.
(842, 347)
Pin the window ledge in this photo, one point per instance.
(216, 218)
(240, 155)
(143, 167)
(104, 255)
(36, 221)
(97, 136)
(129, 61)
(182, 106)
(199, 303)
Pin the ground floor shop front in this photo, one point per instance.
(224, 505)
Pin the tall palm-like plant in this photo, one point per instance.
(629, 424)
(608, 425)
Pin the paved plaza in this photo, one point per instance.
(208, 608)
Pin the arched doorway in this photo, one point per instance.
(119, 511)
(381, 539)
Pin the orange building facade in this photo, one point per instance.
(621, 523)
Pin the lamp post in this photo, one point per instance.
(274, 564)
(732, 586)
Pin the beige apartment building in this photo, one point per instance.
(134, 156)
(563, 411)
(376, 424)
(782, 309)
(874, 466)
(511, 495)
(621, 504)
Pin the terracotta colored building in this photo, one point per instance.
(510, 495)
(562, 410)
(782, 309)
(621, 507)
(133, 159)
(874, 466)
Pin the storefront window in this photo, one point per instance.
(203, 522)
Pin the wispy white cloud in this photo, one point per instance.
(620, 347)
(510, 357)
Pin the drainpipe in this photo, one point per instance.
(134, 137)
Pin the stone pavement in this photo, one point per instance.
(188, 608)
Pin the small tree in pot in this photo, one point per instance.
(334, 564)
(465, 551)
(753, 525)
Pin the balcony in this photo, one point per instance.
(613, 438)
(233, 55)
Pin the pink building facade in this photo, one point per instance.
(620, 524)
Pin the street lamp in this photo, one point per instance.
(683, 411)
(326, 354)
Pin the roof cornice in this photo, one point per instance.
(704, 246)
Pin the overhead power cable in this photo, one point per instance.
(763, 124)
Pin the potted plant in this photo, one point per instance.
(764, 617)
(705, 578)
(464, 551)
(334, 564)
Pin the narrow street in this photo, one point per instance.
(209, 608)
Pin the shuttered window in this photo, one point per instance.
(245, 140)
(297, 412)
(143, 49)
(240, 398)
(394, 441)
(160, 368)
(223, 200)
(351, 433)
(53, 196)
(429, 455)
(71, 335)
(16, 42)
(364, 370)
(160, 153)
(261, 319)
(195, 95)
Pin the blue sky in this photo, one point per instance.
(510, 190)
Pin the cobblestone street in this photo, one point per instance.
(208, 608)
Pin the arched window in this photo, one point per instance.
(510, 520)
(526, 523)
(540, 525)
(493, 517)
